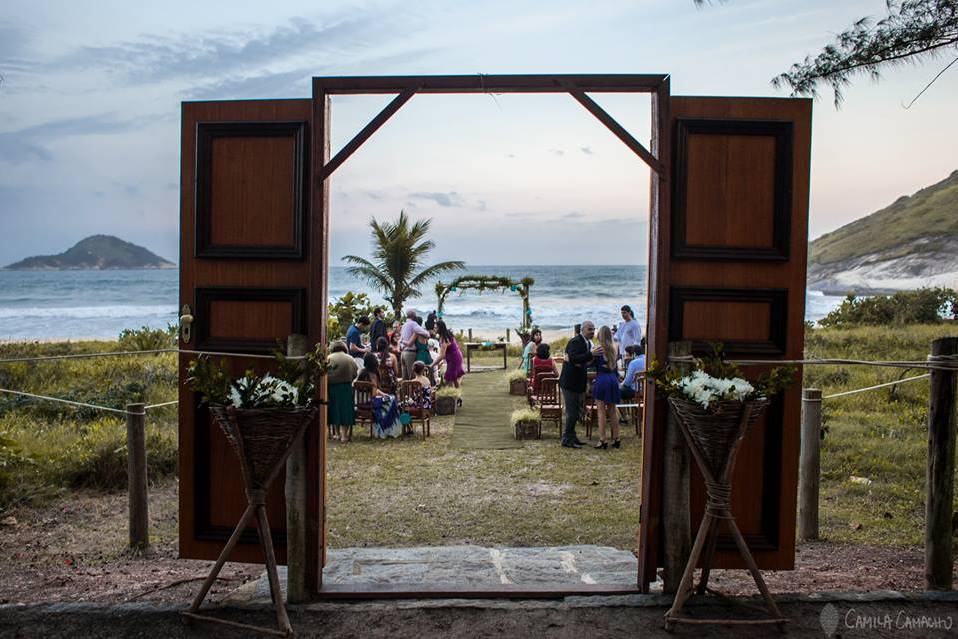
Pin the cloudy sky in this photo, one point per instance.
(89, 114)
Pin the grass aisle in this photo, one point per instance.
(483, 420)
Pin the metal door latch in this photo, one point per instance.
(186, 324)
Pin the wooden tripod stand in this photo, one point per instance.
(263, 440)
(714, 449)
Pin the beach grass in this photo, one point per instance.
(411, 492)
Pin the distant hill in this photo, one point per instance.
(95, 252)
(907, 245)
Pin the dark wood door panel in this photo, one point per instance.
(249, 284)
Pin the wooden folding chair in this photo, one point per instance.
(549, 401)
(411, 400)
(363, 400)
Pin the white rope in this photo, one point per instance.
(43, 358)
(176, 401)
(83, 355)
(934, 363)
(862, 390)
(67, 401)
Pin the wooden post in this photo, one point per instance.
(508, 336)
(810, 464)
(470, 334)
(137, 489)
(676, 517)
(940, 475)
(296, 502)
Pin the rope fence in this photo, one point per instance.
(44, 358)
(933, 362)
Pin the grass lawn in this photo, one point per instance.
(411, 492)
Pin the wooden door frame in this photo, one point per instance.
(658, 160)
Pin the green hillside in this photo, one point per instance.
(930, 213)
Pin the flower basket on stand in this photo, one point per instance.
(715, 408)
(262, 418)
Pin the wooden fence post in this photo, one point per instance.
(940, 474)
(470, 334)
(810, 464)
(137, 489)
(676, 517)
(508, 336)
(296, 502)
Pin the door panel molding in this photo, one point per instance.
(783, 134)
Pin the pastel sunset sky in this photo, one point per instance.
(91, 91)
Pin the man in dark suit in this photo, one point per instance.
(572, 381)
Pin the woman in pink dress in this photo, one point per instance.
(449, 350)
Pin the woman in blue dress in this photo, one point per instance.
(384, 407)
(606, 389)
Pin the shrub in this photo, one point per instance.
(449, 391)
(346, 310)
(924, 306)
(98, 459)
(148, 339)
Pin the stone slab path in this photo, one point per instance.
(462, 567)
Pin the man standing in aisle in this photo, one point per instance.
(573, 379)
(407, 342)
(629, 333)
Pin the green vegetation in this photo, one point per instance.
(410, 492)
(397, 269)
(96, 252)
(879, 435)
(924, 306)
(931, 213)
(345, 311)
(48, 447)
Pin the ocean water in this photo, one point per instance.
(99, 304)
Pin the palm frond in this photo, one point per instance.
(435, 270)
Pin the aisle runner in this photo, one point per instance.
(483, 420)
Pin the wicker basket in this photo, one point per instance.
(262, 436)
(518, 386)
(716, 432)
(529, 430)
(445, 405)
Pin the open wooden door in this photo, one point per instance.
(249, 258)
(729, 233)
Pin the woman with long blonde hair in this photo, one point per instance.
(606, 388)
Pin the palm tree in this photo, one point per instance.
(398, 253)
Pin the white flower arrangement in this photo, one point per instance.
(265, 391)
(702, 388)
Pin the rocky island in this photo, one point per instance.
(97, 252)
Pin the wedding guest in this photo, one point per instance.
(632, 384)
(388, 365)
(378, 329)
(606, 387)
(341, 412)
(384, 407)
(354, 339)
(534, 340)
(572, 380)
(629, 333)
(408, 338)
(393, 337)
(425, 399)
(543, 365)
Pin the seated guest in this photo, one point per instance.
(425, 399)
(527, 352)
(339, 378)
(385, 408)
(388, 365)
(394, 348)
(543, 365)
(632, 384)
